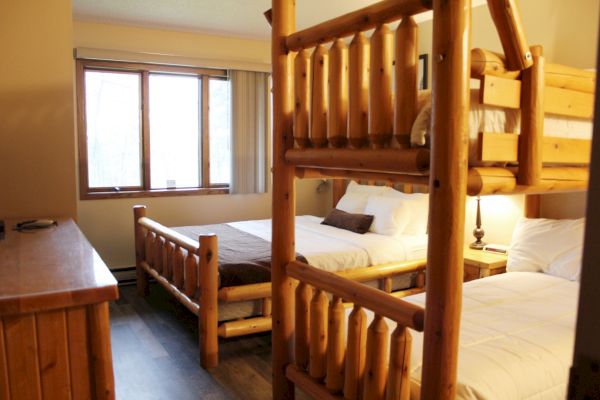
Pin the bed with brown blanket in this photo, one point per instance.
(228, 284)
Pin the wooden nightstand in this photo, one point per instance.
(479, 264)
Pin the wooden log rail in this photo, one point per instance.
(184, 267)
(357, 21)
(339, 359)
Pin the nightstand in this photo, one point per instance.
(479, 264)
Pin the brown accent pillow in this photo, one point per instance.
(359, 223)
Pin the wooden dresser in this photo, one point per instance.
(54, 325)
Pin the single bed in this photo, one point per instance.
(516, 335)
(516, 338)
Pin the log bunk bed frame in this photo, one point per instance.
(305, 114)
(310, 347)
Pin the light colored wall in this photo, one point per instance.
(568, 31)
(37, 144)
(108, 224)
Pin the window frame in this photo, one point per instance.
(144, 70)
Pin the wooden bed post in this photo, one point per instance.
(141, 275)
(284, 199)
(532, 206)
(208, 313)
(447, 192)
(532, 121)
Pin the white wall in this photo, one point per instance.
(108, 224)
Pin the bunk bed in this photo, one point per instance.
(227, 285)
(337, 116)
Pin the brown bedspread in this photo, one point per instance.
(243, 258)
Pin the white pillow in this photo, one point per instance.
(568, 265)
(353, 203)
(538, 243)
(390, 215)
(354, 187)
(418, 207)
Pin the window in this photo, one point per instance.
(149, 130)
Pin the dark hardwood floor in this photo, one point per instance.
(155, 354)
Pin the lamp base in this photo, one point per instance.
(477, 245)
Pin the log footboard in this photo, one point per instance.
(337, 358)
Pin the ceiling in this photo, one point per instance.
(240, 18)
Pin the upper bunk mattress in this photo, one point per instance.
(245, 248)
(516, 337)
(484, 118)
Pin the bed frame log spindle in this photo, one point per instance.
(376, 369)
(358, 91)
(356, 353)
(141, 250)
(302, 83)
(532, 128)
(319, 96)
(336, 342)
(406, 90)
(380, 87)
(317, 366)
(337, 121)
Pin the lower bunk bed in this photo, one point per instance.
(227, 284)
(517, 329)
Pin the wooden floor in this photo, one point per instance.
(155, 354)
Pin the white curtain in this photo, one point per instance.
(250, 125)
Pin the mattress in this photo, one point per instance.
(334, 250)
(484, 118)
(516, 337)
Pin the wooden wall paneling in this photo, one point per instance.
(22, 356)
(406, 69)
(100, 351)
(319, 96)
(358, 92)
(532, 121)
(381, 120)
(79, 358)
(447, 195)
(52, 339)
(4, 386)
(337, 117)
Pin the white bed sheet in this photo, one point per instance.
(516, 337)
(333, 249)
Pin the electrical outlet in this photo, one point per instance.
(171, 184)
